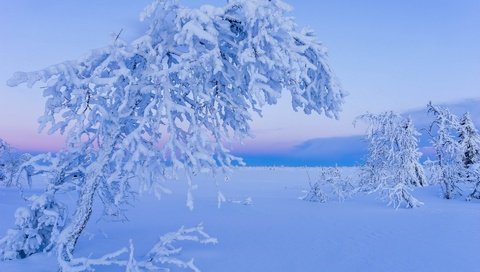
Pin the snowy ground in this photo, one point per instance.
(279, 232)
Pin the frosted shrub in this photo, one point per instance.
(36, 228)
(314, 193)
(329, 182)
(341, 185)
(192, 81)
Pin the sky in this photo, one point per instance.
(388, 55)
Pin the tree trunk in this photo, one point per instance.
(69, 236)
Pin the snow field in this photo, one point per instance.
(279, 232)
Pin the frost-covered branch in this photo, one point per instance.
(163, 255)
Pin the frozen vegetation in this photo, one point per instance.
(153, 118)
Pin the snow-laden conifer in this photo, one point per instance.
(173, 98)
(469, 140)
(392, 166)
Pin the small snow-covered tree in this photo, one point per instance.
(448, 168)
(192, 81)
(392, 166)
(469, 140)
(4, 150)
(14, 166)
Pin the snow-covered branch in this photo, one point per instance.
(163, 255)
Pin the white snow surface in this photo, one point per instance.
(263, 226)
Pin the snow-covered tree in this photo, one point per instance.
(172, 99)
(469, 140)
(408, 155)
(392, 166)
(14, 166)
(4, 150)
(448, 168)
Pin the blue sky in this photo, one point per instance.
(389, 55)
